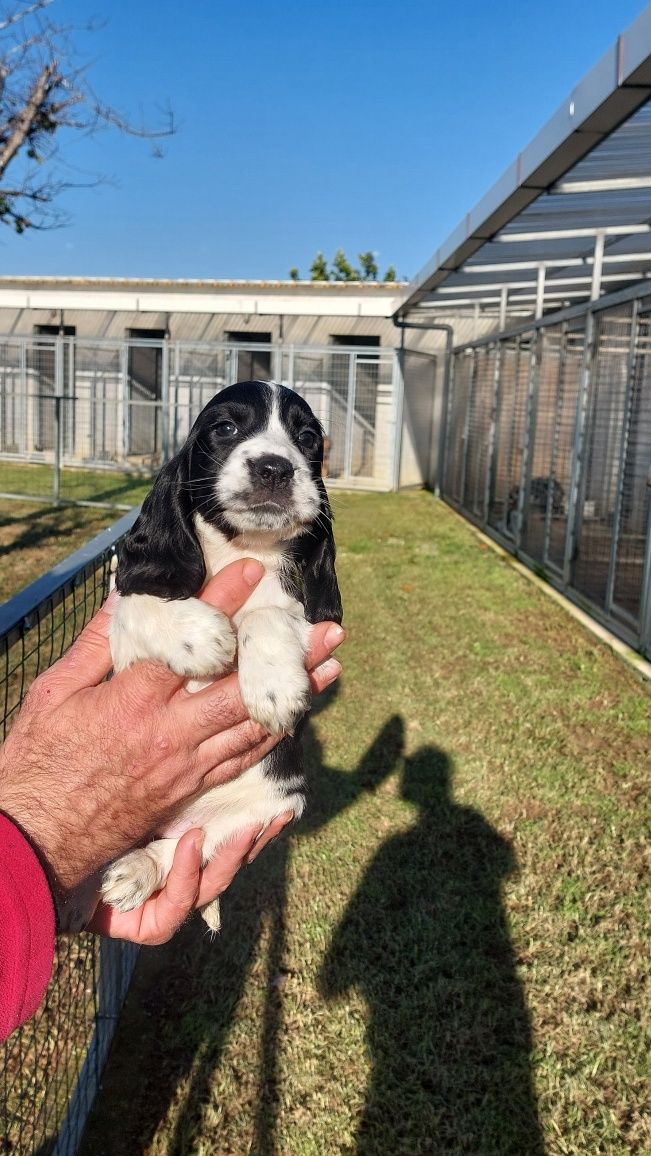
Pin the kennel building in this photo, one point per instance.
(545, 430)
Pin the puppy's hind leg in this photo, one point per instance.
(129, 881)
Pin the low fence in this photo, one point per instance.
(72, 409)
(548, 447)
(51, 1067)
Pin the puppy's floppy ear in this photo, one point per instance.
(162, 555)
(321, 596)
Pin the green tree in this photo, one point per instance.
(342, 269)
(369, 266)
(319, 269)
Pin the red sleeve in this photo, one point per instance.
(26, 929)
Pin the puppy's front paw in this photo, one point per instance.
(187, 635)
(278, 699)
(130, 881)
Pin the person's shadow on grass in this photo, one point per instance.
(185, 997)
(425, 942)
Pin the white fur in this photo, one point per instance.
(185, 634)
(252, 800)
(272, 637)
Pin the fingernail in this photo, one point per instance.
(328, 671)
(197, 842)
(334, 636)
(252, 572)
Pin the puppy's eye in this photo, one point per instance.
(307, 439)
(226, 429)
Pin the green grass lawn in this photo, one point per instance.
(449, 953)
(35, 536)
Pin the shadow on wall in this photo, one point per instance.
(424, 940)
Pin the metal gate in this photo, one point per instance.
(548, 445)
(74, 404)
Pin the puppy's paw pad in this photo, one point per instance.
(130, 881)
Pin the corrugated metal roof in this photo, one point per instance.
(571, 218)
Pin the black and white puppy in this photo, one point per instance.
(247, 483)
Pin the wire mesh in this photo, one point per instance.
(607, 406)
(73, 411)
(562, 449)
(636, 481)
(52, 1066)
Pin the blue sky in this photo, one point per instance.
(306, 125)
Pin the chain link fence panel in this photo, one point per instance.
(51, 1067)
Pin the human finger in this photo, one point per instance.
(220, 872)
(324, 638)
(229, 589)
(269, 834)
(210, 711)
(226, 756)
(324, 675)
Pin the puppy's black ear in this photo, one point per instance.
(162, 555)
(321, 596)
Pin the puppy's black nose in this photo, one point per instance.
(272, 470)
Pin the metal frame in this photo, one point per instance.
(579, 168)
(634, 629)
(178, 406)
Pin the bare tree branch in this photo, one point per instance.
(44, 95)
(21, 14)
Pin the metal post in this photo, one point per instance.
(492, 433)
(540, 291)
(577, 483)
(504, 298)
(177, 374)
(448, 368)
(623, 453)
(56, 477)
(645, 599)
(124, 392)
(530, 425)
(165, 403)
(350, 412)
(597, 266)
(58, 425)
(549, 505)
(398, 398)
(466, 429)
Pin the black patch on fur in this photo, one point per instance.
(162, 555)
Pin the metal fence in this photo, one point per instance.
(52, 1066)
(548, 447)
(73, 410)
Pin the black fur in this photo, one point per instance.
(162, 555)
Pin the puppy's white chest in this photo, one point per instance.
(219, 552)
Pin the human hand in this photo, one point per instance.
(92, 768)
(186, 888)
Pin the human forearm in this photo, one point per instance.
(26, 929)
